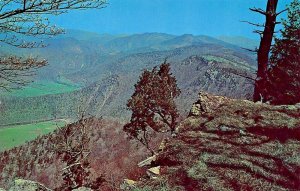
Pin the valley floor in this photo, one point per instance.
(16, 135)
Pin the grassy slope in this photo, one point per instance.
(16, 135)
(233, 145)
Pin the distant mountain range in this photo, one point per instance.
(108, 66)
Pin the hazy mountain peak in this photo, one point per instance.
(240, 41)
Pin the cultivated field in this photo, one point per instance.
(16, 135)
(41, 88)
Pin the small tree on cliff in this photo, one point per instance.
(153, 104)
(283, 84)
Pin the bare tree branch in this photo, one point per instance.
(258, 32)
(280, 12)
(251, 50)
(27, 18)
(21, 18)
(254, 24)
(258, 10)
(16, 72)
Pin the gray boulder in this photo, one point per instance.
(27, 185)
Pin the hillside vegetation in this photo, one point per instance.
(112, 156)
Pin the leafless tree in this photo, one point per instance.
(74, 148)
(21, 18)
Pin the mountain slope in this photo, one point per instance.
(137, 41)
(240, 41)
(112, 155)
(196, 68)
(233, 145)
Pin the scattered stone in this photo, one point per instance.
(83, 189)
(225, 128)
(196, 109)
(148, 161)
(153, 172)
(242, 132)
(129, 182)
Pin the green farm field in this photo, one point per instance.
(11, 136)
(41, 88)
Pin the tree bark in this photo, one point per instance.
(264, 49)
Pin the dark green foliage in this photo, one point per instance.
(153, 104)
(283, 84)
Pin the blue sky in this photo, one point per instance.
(208, 17)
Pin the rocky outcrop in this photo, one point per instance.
(229, 144)
(27, 185)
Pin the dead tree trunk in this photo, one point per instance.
(264, 47)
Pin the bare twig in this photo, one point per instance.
(280, 12)
(254, 24)
(27, 18)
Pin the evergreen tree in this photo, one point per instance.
(153, 104)
(283, 84)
